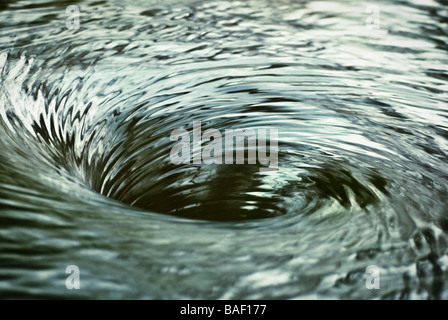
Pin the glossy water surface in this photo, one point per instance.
(86, 178)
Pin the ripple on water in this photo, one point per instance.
(86, 177)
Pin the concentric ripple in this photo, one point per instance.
(85, 170)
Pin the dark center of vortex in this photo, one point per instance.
(233, 192)
(220, 193)
(137, 171)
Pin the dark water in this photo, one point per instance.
(86, 178)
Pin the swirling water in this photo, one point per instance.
(86, 178)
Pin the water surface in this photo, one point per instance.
(86, 178)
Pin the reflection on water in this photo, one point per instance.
(85, 171)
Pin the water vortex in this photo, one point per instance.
(85, 170)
